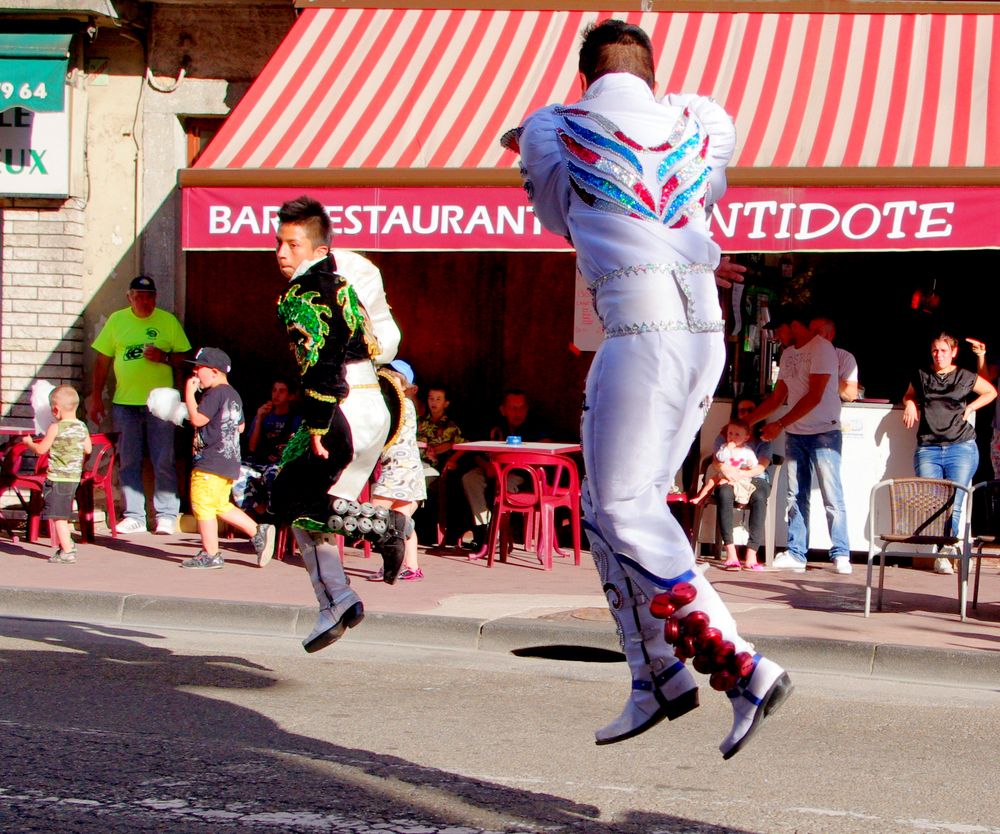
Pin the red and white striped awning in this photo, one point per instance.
(425, 88)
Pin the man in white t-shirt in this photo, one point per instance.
(808, 382)
(847, 365)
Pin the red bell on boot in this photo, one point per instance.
(661, 606)
(705, 663)
(741, 664)
(685, 649)
(683, 593)
(723, 680)
(709, 640)
(723, 652)
(695, 623)
(671, 629)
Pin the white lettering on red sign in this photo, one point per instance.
(381, 220)
(861, 221)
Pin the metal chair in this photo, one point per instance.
(920, 512)
(983, 527)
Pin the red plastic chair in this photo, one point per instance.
(13, 479)
(550, 482)
(97, 475)
(526, 501)
(561, 488)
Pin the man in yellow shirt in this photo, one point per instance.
(144, 343)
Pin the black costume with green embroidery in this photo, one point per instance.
(327, 330)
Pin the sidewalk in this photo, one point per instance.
(811, 620)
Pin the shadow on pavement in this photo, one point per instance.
(109, 734)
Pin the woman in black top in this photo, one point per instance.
(943, 400)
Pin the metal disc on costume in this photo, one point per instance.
(394, 396)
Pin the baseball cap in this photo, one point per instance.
(210, 357)
(143, 283)
(404, 368)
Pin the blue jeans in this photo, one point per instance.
(803, 453)
(134, 423)
(954, 462)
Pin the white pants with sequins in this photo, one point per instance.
(647, 396)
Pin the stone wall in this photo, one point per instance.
(41, 309)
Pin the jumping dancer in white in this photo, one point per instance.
(629, 180)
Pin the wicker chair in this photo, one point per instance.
(920, 512)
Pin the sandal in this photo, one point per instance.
(734, 565)
(754, 566)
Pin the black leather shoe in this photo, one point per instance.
(329, 631)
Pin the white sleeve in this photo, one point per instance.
(366, 278)
(847, 366)
(721, 136)
(544, 172)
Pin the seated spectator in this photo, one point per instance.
(272, 427)
(438, 431)
(515, 422)
(738, 453)
(274, 424)
(726, 497)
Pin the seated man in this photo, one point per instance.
(271, 429)
(274, 424)
(514, 409)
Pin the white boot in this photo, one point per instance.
(340, 608)
(754, 696)
(662, 686)
(753, 700)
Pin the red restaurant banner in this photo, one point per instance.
(500, 219)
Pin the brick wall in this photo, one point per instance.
(41, 299)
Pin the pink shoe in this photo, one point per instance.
(408, 575)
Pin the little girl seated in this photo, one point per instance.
(735, 452)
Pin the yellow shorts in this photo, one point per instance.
(210, 495)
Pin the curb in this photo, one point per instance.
(803, 654)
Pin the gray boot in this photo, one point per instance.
(339, 607)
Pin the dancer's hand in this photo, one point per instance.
(728, 273)
(318, 448)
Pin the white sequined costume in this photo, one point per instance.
(628, 181)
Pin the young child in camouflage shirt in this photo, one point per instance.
(67, 442)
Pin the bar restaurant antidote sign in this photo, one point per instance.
(500, 219)
(34, 153)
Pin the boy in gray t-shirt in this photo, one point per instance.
(217, 417)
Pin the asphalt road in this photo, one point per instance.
(112, 730)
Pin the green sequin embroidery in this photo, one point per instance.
(297, 445)
(302, 313)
